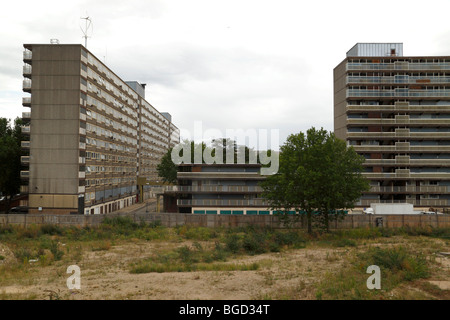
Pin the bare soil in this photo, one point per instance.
(105, 274)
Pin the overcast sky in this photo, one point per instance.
(229, 64)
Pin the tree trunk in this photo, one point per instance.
(309, 221)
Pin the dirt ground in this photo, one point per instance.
(290, 274)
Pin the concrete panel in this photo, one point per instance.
(65, 201)
(55, 111)
(46, 126)
(40, 200)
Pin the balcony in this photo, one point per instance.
(27, 56)
(218, 188)
(24, 189)
(26, 115)
(404, 173)
(398, 107)
(25, 144)
(222, 202)
(24, 175)
(26, 71)
(25, 160)
(398, 65)
(26, 85)
(26, 101)
(404, 93)
(404, 79)
(421, 202)
(220, 175)
(410, 189)
(399, 120)
(26, 129)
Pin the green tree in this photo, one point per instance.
(10, 152)
(318, 174)
(167, 170)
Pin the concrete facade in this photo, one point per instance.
(220, 189)
(89, 132)
(395, 111)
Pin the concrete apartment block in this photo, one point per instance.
(92, 136)
(395, 111)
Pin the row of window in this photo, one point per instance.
(110, 122)
(108, 157)
(112, 100)
(119, 83)
(91, 101)
(109, 169)
(111, 146)
(100, 131)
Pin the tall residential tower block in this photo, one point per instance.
(92, 135)
(395, 111)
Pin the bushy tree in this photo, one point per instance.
(318, 175)
(10, 152)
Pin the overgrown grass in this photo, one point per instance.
(211, 249)
(195, 258)
(397, 265)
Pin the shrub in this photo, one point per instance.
(232, 243)
(51, 229)
(400, 261)
(345, 243)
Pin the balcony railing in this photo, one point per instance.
(26, 70)
(219, 175)
(27, 55)
(24, 174)
(26, 101)
(399, 134)
(398, 80)
(25, 159)
(397, 93)
(213, 188)
(421, 202)
(26, 115)
(25, 129)
(26, 85)
(222, 202)
(25, 144)
(399, 120)
(401, 65)
(23, 189)
(404, 174)
(406, 107)
(410, 189)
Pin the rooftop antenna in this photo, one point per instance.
(88, 26)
